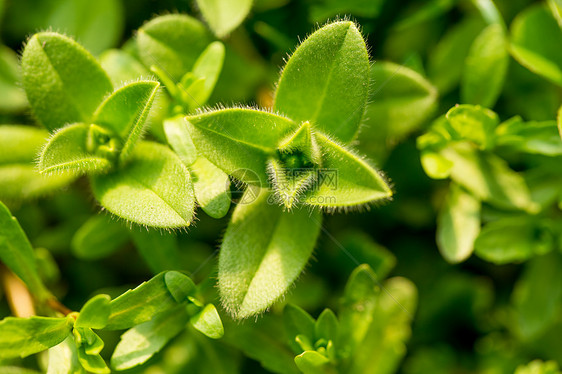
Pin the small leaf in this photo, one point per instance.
(488, 177)
(263, 251)
(247, 136)
(63, 358)
(98, 237)
(95, 313)
(142, 303)
(532, 137)
(122, 67)
(16, 252)
(88, 339)
(21, 337)
(224, 16)
(92, 363)
(401, 101)
(327, 326)
(212, 188)
(124, 112)
(173, 43)
(485, 67)
(473, 123)
(290, 184)
(98, 25)
(345, 179)
(326, 81)
(140, 343)
(312, 362)
(68, 150)
(458, 225)
(154, 189)
(537, 305)
(446, 63)
(297, 322)
(207, 67)
(513, 239)
(179, 139)
(159, 250)
(535, 38)
(208, 322)
(180, 285)
(63, 82)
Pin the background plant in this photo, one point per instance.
(473, 225)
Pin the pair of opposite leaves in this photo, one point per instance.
(322, 95)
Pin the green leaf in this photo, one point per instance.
(207, 70)
(473, 123)
(401, 101)
(179, 139)
(298, 322)
(224, 16)
(489, 12)
(485, 67)
(69, 150)
(236, 140)
(180, 285)
(312, 362)
(86, 338)
(98, 25)
(125, 111)
(556, 9)
(23, 182)
(144, 302)
(92, 363)
(541, 138)
(98, 237)
(387, 330)
(159, 250)
(263, 251)
(208, 322)
(21, 337)
(121, 67)
(326, 81)
(212, 188)
(535, 38)
(488, 178)
(63, 358)
(16, 253)
(345, 179)
(513, 239)
(327, 326)
(290, 184)
(446, 62)
(95, 313)
(140, 343)
(13, 97)
(20, 144)
(172, 43)
(154, 189)
(539, 367)
(458, 225)
(63, 81)
(321, 11)
(536, 305)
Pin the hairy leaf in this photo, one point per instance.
(146, 301)
(20, 337)
(345, 179)
(140, 343)
(172, 43)
(263, 251)
(326, 81)
(247, 137)
(154, 189)
(63, 82)
(69, 150)
(124, 112)
(458, 225)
